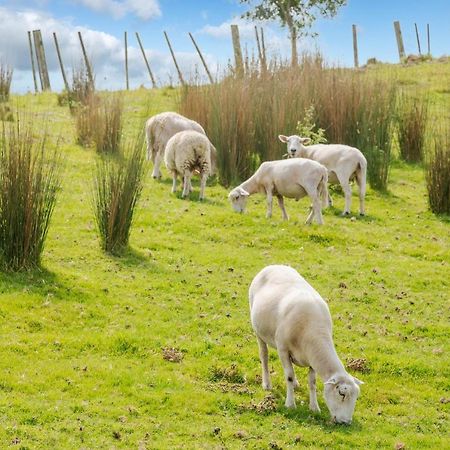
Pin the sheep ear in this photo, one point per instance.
(283, 138)
(358, 382)
(332, 380)
(243, 192)
(305, 140)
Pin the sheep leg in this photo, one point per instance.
(174, 181)
(289, 376)
(158, 158)
(348, 196)
(203, 178)
(281, 205)
(316, 210)
(330, 200)
(269, 198)
(264, 357)
(187, 183)
(313, 405)
(361, 181)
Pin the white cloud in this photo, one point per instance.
(246, 29)
(105, 52)
(143, 9)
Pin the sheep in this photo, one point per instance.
(292, 178)
(185, 152)
(289, 315)
(160, 128)
(344, 163)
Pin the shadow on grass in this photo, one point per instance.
(131, 257)
(40, 281)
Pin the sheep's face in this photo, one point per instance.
(340, 393)
(294, 145)
(238, 198)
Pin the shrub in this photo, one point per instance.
(5, 82)
(412, 122)
(117, 187)
(307, 128)
(28, 185)
(438, 175)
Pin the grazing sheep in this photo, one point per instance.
(344, 163)
(292, 178)
(289, 315)
(185, 152)
(160, 128)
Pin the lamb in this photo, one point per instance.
(288, 314)
(292, 178)
(344, 163)
(185, 152)
(160, 128)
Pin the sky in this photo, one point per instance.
(102, 24)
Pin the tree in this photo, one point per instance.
(297, 15)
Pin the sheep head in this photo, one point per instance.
(238, 198)
(340, 393)
(294, 145)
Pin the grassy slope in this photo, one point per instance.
(80, 351)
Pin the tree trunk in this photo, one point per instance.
(294, 56)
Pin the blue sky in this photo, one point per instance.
(103, 22)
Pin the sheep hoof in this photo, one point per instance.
(362, 214)
(290, 405)
(345, 213)
(314, 408)
(267, 386)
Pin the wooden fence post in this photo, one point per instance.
(262, 59)
(86, 60)
(36, 89)
(355, 46)
(398, 35)
(202, 59)
(180, 76)
(66, 84)
(146, 61)
(263, 47)
(42, 63)
(239, 63)
(126, 61)
(418, 40)
(428, 38)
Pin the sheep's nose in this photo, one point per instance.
(293, 150)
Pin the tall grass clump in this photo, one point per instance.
(438, 174)
(29, 181)
(411, 124)
(6, 73)
(118, 184)
(243, 116)
(107, 124)
(99, 122)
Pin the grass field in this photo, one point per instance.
(86, 341)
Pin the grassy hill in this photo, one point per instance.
(154, 350)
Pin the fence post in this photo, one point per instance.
(355, 46)
(126, 61)
(202, 59)
(180, 75)
(146, 61)
(418, 40)
(398, 35)
(42, 64)
(239, 63)
(428, 38)
(261, 55)
(66, 84)
(86, 60)
(36, 89)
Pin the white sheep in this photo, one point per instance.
(185, 152)
(288, 314)
(292, 178)
(160, 128)
(344, 164)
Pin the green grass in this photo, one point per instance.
(81, 348)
